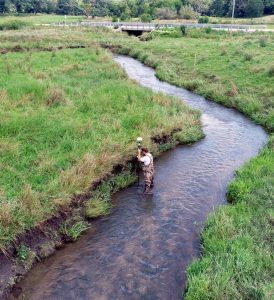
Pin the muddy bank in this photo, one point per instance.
(45, 238)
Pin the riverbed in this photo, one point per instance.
(142, 249)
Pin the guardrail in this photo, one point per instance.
(151, 26)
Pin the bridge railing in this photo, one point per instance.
(151, 26)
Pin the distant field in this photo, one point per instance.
(237, 70)
(40, 19)
(268, 20)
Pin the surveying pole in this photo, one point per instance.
(139, 145)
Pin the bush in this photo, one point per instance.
(146, 37)
(208, 30)
(183, 29)
(166, 13)
(123, 17)
(114, 19)
(187, 12)
(146, 18)
(203, 20)
(12, 25)
(167, 32)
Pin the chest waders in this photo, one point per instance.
(148, 173)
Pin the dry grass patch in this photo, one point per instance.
(56, 96)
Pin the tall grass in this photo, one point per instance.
(66, 118)
(208, 63)
(237, 261)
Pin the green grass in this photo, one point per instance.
(256, 21)
(232, 70)
(73, 228)
(67, 117)
(40, 19)
(237, 261)
(100, 204)
(235, 70)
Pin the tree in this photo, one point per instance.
(217, 8)
(268, 7)
(99, 8)
(166, 13)
(2, 6)
(63, 7)
(187, 12)
(200, 6)
(254, 8)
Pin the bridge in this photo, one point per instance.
(139, 27)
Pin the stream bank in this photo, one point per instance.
(146, 244)
(44, 239)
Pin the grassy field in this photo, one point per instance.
(40, 19)
(67, 117)
(266, 20)
(235, 70)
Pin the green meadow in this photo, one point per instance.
(67, 117)
(236, 70)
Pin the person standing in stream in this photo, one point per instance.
(146, 159)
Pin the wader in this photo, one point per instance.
(149, 173)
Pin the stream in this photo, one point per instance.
(142, 249)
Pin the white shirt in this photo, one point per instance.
(146, 160)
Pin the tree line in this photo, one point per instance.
(147, 9)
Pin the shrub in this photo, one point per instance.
(183, 29)
(187, 12)
(167, 32)
(166, 13)
(123, 17)
(208, 30)
(146, 37)
(146, 18)
(12, 25)
(114, 19)
(203, 20)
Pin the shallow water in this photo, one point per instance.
(141, 251)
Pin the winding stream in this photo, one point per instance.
(141, 251)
